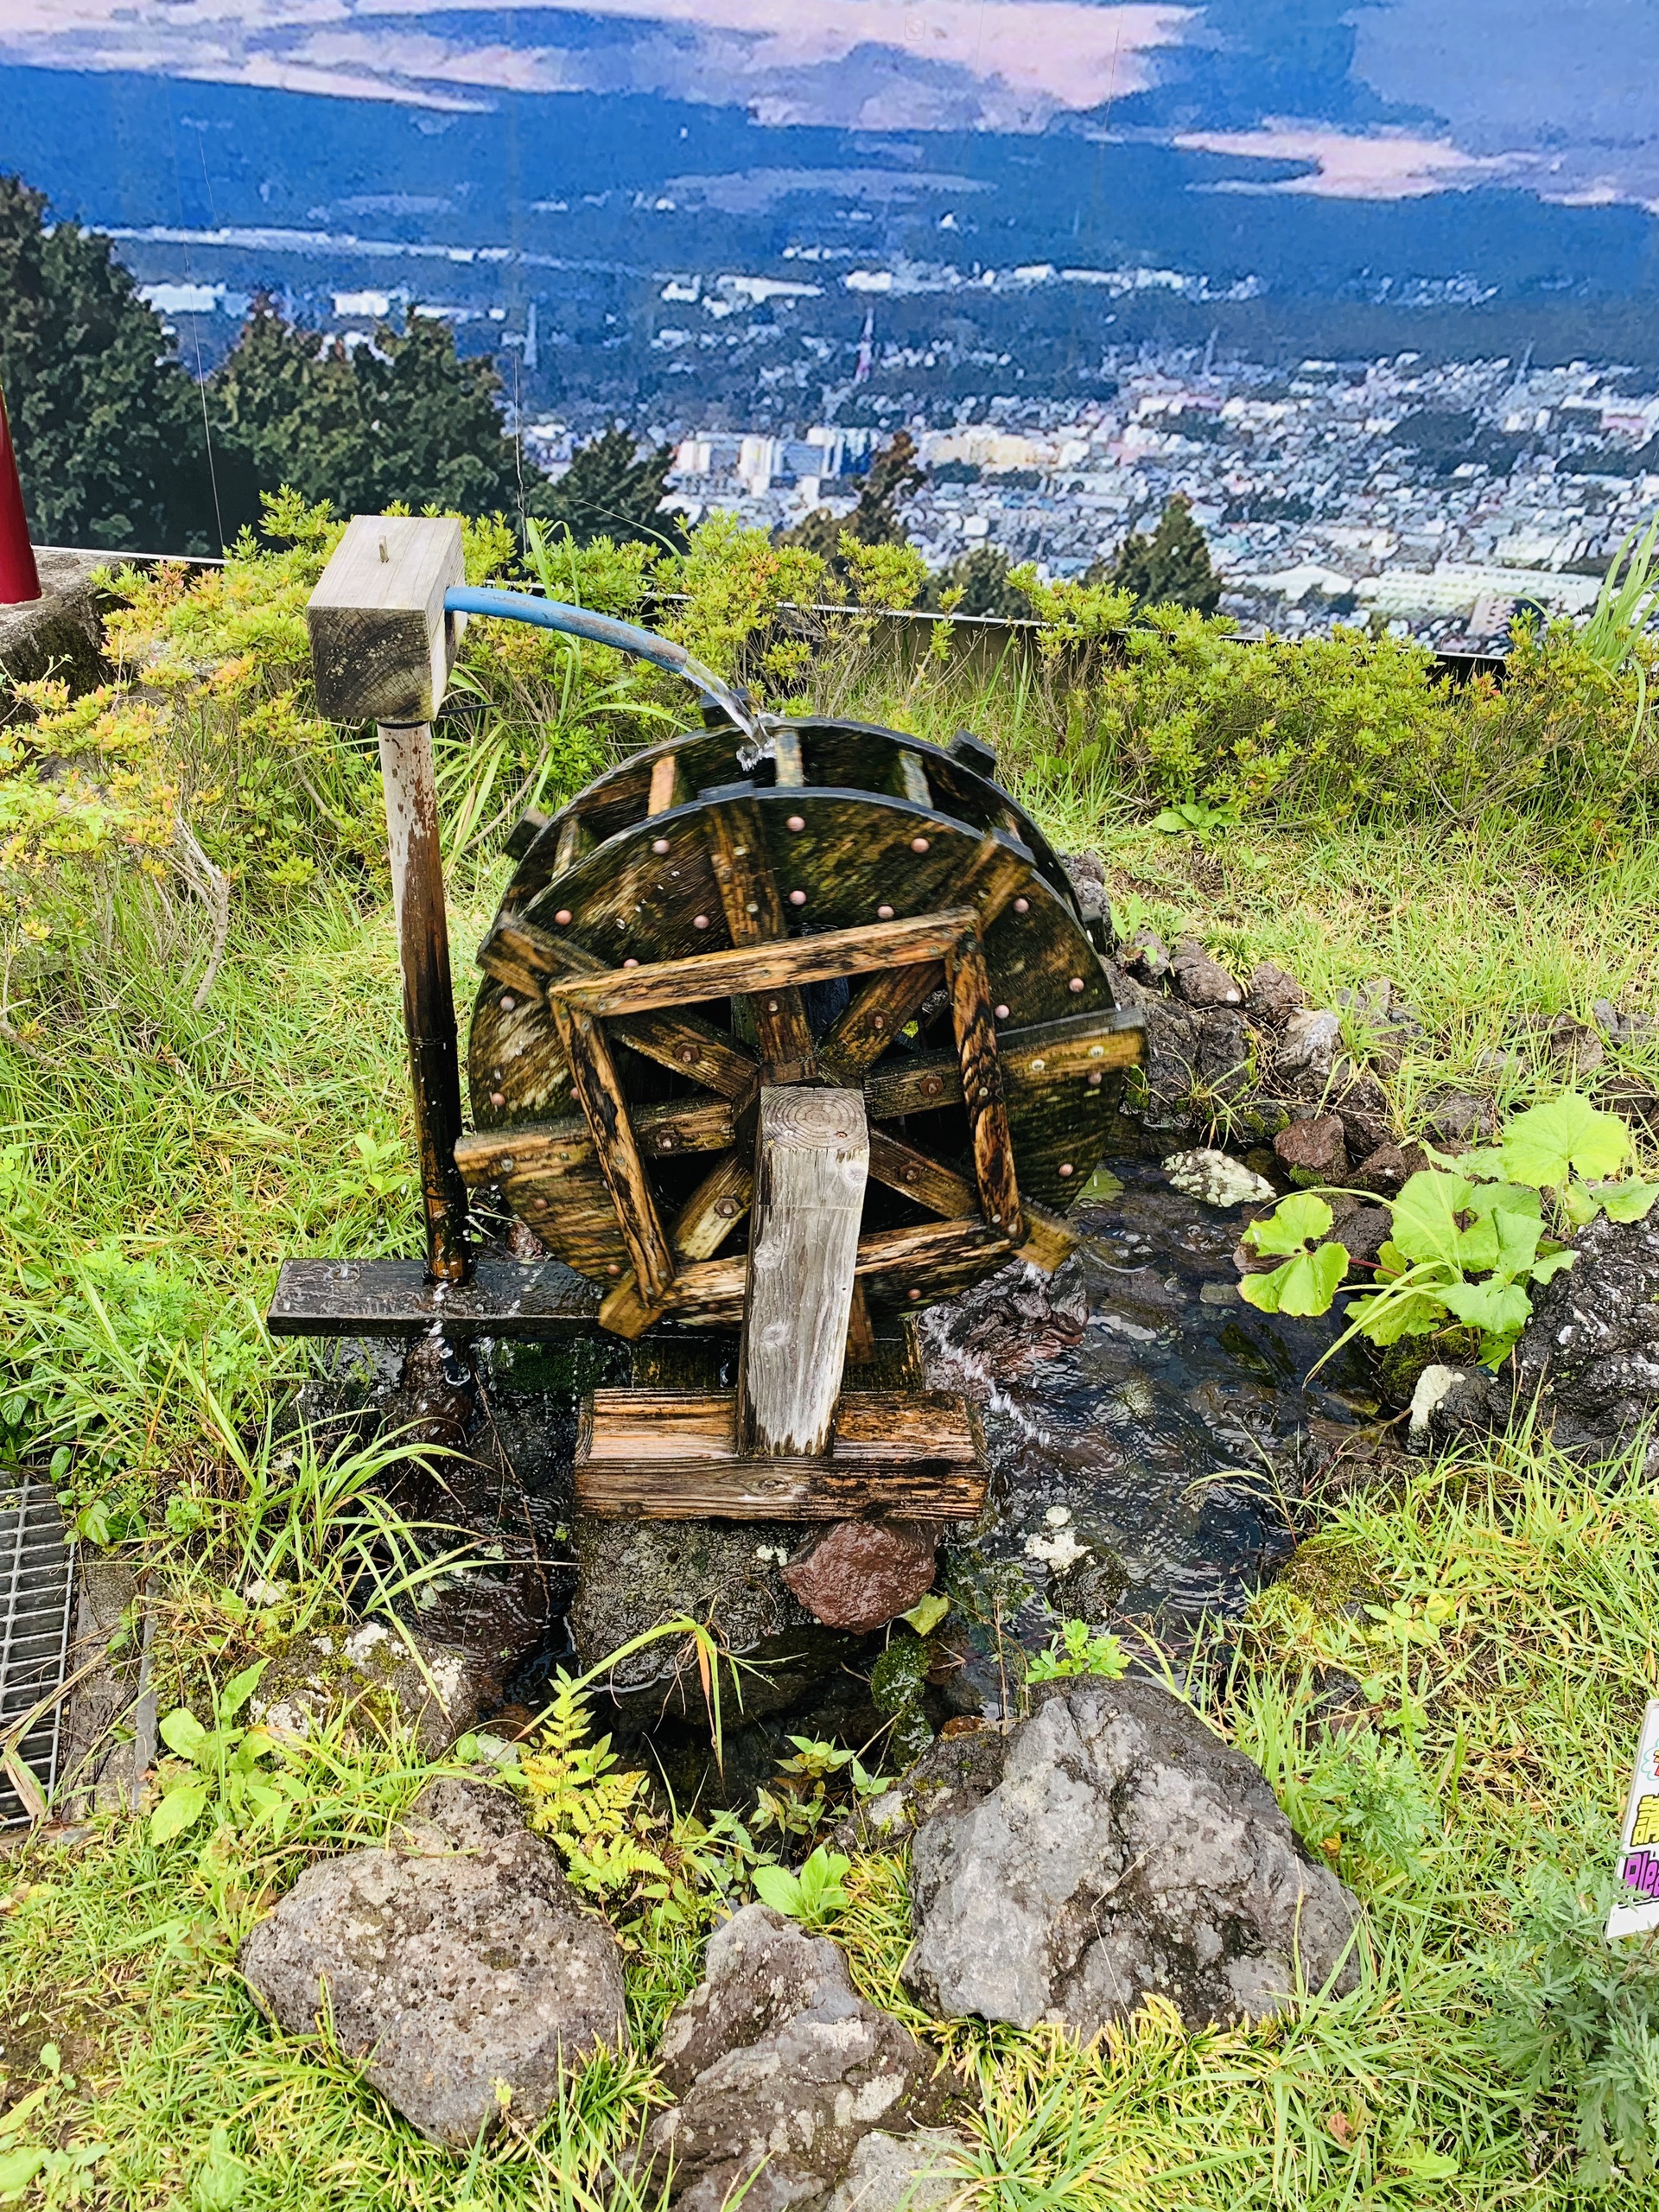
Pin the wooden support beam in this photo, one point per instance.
(392, 1298)
(714, 1209)
(381, 646)
(1050, 1238)
(1082, 1044)
(599, 1093)
(381, 643)
(811, 1164)
(982, 1097)
(565, 1147)
(865, 1028)
(755, 917)
(903, 1168)
(667, 1455)
(1033, 1060)
(861, 1331)
(747, 969)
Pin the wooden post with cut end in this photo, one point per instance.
(812, 1156)
(381, 646)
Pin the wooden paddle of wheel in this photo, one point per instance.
(791, 1033)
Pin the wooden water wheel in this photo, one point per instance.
(791, 1034)
(860, 910)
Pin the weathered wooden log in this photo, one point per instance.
(810, 1166)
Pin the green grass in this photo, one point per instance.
(156, 1163)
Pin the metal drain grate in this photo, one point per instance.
(37, 1587)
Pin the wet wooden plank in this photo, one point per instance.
(1050, 1238)
(812, 1165)
(903, 1168)
(392, 1298)
(572, 841)
(788, 768)
(702, 1226)
(752, 968)
(874, 1017)
(915, 1083)
(573, 1215)
(1048, 1052)
(908, 1256)
(673, 1455)
(599, 1094)
(912, 779)
(972, 1013)
(675, 1125)
(755, 917)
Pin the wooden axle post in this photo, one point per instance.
(811, 1163)
(381, 647)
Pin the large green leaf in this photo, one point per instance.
(1630, 1201)
(1389, 1314)
(1305, 1285)
(1497, 1307)
(240, 1687)
(1544, 1145)
(1294, 1222)
(1426, 1216)
(180, 1808)
(183, 1732)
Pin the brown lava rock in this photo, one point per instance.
(1317, 1148)
(860, 1574)
(1200, 979)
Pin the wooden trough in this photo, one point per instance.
(786, 1030)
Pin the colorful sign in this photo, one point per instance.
(1638, 1858)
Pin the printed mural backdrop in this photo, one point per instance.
(1373, 285)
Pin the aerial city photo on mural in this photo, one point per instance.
(1372, 286)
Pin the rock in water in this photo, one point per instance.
(1215, 1178)
(456, 1959)
(637, 1575)
(781, 2071)
(1123, 1852)
(1592, 1347)
(859, 1574)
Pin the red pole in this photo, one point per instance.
(19, 578)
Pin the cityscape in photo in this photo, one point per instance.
(1372, 287)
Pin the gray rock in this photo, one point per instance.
(1146, 955)
(1458, 1117)
(921, 2172)
(780, 2070)
(634, 1575)
(1123, 1852)
(1310, 1043)
(62, 632)
(437, 1689)
(1215, 1178)
(452, 1960)
(1592, 1347)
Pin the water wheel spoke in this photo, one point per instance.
(904, 1169)
(867, 1025)
(973, 1016)
(599, 1094)
(754, 915)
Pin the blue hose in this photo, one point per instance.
(574, 622)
